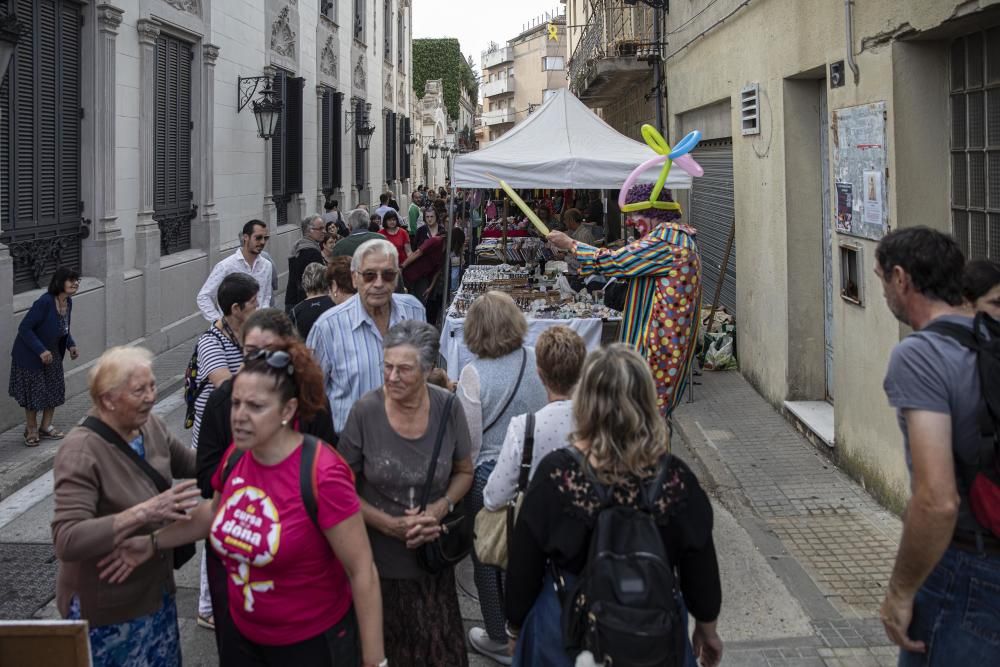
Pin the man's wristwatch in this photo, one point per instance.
(384, 663)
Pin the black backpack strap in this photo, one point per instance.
(651, 492)
(112, 436)
(230, 463)
(446, 417)
(527, 452)
(603, 492)
(307, 476)
(513, 393)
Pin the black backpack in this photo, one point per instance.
(623, 607)
(193, 388)
(982, 473)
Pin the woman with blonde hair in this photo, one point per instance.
(500, 382)
(113, 478)
(619, 447)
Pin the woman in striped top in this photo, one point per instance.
(662, 304)
(220, 356)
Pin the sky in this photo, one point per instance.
(477, 22)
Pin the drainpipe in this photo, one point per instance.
(849, 20)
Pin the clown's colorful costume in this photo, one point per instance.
(662, 304)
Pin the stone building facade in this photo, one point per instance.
(134, 165)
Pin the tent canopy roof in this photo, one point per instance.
(563, 144)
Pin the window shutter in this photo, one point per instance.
(387, 146)
(40, 137)
(278, 141)
(391, 134)
(326, 142)
(338, 140)
(172, 144)
(293, 135)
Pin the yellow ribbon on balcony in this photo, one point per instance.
(553, 32)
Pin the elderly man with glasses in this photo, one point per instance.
(306, 250)
(347, 339)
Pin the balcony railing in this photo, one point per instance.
(498, 57)
(498, 117)
(614, 31)
(498, 87)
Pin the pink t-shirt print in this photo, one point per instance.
(285, 583)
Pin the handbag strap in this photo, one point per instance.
(517, 385)
(527, 453)
(112, 436)
(426, 493)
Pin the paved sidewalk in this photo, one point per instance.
(829, 541)
(20, 465)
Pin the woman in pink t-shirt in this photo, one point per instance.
(303, 589)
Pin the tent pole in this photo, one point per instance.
(447, 250)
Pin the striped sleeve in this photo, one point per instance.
(211, 355)
(649, 256)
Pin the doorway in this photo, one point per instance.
(826, 220)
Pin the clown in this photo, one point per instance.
(663, 269)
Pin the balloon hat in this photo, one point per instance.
(665, 156)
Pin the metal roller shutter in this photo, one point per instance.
(712, 215)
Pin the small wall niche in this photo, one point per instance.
(852, 273)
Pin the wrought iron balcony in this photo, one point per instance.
(614, 52)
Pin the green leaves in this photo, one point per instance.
(443, 59)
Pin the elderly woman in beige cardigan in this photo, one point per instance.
(103, 494)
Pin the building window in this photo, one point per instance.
(400, 40)
(331, 140)
(40, 143)
(286, 146)
(552, 63)
(328, 8)
(387, 31)
(975, 143)
(172, 201)
(359, 20)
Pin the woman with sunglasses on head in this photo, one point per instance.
(36, 364)
(302, 585)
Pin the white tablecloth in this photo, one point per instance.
(457, 355)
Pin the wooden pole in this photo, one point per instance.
(722, 276)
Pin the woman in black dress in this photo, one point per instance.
(36, 371)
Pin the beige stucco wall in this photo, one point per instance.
(779, 288)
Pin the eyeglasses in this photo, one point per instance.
(258, 237)
(318, 229)
(277, 359)
(388, 275)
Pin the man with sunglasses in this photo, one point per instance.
(347, 339)
(247, 260)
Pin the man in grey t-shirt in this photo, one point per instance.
(945, 557)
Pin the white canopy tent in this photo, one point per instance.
(563, 144)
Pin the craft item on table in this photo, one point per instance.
(535, 220)
(667, 157)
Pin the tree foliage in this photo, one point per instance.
(443, 59)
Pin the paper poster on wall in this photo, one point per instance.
(845, 202)
(872, 208)
(859, 170)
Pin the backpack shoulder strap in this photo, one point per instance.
(307, 477)
(230, 463)
(653, 490)
(966, 337)
(603, 492)
(527, 452)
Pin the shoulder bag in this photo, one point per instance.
(455, 541)
(495, 529)
(513, 393)
(183, 553)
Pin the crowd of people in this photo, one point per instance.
(331, 461)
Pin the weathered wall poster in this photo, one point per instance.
(859, 170)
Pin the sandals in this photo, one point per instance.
(51, 433)
(31, 440)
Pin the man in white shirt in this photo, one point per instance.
(245, 260)
(347, 339)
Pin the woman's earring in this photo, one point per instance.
(284, 422)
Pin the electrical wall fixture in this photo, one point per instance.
(266, 109)
(750, 109)
(837, 74)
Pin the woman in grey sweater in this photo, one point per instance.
(502, 381)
